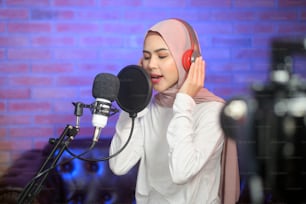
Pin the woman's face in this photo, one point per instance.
(159, 63)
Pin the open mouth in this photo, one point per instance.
(156, 78)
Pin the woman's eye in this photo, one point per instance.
(146, 57)
(162, 56)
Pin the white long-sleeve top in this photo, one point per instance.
(179, 150)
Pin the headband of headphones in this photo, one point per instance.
(191, 54)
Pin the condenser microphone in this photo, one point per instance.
(105, 90)
(135, 90)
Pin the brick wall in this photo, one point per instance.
(50, 51)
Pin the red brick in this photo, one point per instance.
(86, 94)
(27, 2)
(261, 65)
(261, 41)
(205, 29)
(30, 133)
(116, 55)
(247, 28)
(15, 119)
(29, 27)
(92, 41)
(7, 67)
(231, 41)
(146, 16)
(29, 106)
(119, 3)
(251, 78)
(45, 14)
(211, 3)
(194, 16)
(215, 53)
(292, 28)
(254, 4)
(53, 93)
(82, 3)
(18, 147)
(3, 81)
(52, 14)
(1, 53)
(292, 3)
(77, 27)
(165, 4)
(52, 68)
(2, 133)
(53, 41)
(5, 145)
(98, 14)
(65, 14)
(29, 54)
(82, 54)
(231, 66)
(2, 27)
(9, 13)
(74, 80)
(96, 67)
(219, 78)
(30, 80)
(250, 53)
(54, 119)
(64, 106)
(41, 143)
(4, 156)
(226, 92)
(303, 15)
(100, 41)
(14, 93)
(2, 108)
(120, 27)
(279, 15)
(233, 15)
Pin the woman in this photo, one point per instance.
(177, 138)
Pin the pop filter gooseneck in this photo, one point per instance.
(135, 90)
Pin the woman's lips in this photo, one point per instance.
(155, 78)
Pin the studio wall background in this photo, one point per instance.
(51, 50)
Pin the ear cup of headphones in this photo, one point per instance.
(188, 58)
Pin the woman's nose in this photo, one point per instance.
(152, 63)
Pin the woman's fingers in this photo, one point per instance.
(195, 78)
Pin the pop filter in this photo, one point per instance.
(135, 89)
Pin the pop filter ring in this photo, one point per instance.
(135, 90)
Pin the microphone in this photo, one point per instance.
(135, 90)
(105, 90)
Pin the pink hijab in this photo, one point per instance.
(177, 38)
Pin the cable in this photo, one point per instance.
(67, 161)
(85, 152)
(109, 157)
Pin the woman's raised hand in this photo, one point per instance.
(195, 78)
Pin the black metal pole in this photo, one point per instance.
(34, 187)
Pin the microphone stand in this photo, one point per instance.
(34, 187)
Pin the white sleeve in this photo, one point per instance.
(125, 160)
(193, 141)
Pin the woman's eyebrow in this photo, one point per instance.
(157, 50)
